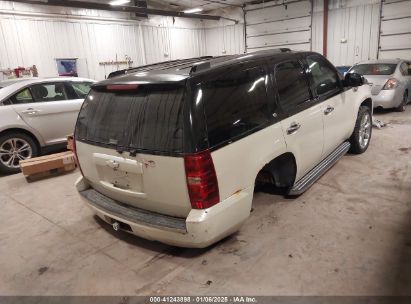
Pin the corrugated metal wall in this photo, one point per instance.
(224, 40)
(26, 41)
(353, 31)
(395, 39)
(94, 36)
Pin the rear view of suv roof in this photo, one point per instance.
(186, 67)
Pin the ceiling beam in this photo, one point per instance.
(119, 8)
(222, 3)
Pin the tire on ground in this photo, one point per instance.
(401, 107)
(3, 138)
(356, 147)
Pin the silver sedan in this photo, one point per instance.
(390, 81)
(37, 114)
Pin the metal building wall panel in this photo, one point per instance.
(284, 24)
(276, 40)
(395, 36)
(224, 40)
(279, 26)
(295, 47)
(269, 13)
(27, 40)
(352, 33)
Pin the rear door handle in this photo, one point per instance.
(293, 128)
(30, 111)
(328, 110)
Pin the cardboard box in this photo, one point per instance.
(48, 165)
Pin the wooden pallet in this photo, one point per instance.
(47, 166)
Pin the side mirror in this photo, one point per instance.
(353, 80)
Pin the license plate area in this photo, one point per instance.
(120, 173)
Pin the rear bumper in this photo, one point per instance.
(387, 99)
(200, 229)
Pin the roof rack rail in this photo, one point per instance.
(158, 65)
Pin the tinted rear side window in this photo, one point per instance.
(148, 120)
(235, 104)
(292, 86)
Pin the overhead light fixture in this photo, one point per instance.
(119, 2)
(193, 10)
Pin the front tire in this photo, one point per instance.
(360, 138)
(15, 146)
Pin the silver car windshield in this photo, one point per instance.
(374, 69)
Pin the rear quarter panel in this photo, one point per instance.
(238, 164)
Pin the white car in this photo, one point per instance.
(37, 114)
(172, 152)
(390, 81)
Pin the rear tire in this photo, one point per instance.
(15, 146)
(360, 138)
(401, 107)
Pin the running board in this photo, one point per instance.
(311, 177)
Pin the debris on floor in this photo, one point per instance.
(49, 165)
(378, 123)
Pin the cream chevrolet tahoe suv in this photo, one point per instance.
(172, 151)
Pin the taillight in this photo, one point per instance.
(391, 84)
(75, 154)
(201, 180)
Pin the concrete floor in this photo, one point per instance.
(350, 234)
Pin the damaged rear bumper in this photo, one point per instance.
(201, 228)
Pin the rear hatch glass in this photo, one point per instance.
(147, 119)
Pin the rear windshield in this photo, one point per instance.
(374, 69)
(147, 120)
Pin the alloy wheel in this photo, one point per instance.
(13, 150)
(365, 130)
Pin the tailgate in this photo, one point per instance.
(130, 146)
(151, 182)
